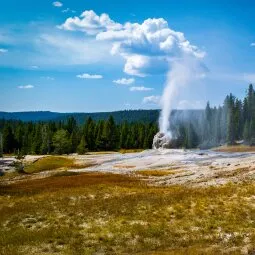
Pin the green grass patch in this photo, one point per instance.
(49, 163)
(53, 163)
(125, 151)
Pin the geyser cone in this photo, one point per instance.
(162, 140)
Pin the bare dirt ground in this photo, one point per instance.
(189, 167)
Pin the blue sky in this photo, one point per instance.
(52, 58)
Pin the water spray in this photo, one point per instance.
(182, 72)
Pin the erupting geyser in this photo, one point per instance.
(182, 72)
(161, 141)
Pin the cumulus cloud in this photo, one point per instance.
(141, 88)
(124, 81)
(151, 100)
(26, 87)
(3, 50)
(57, 4)
(89, 76)
(90, 23)
(147, 47)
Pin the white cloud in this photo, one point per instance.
(142, 88)
(151, 100)
(252, 44)
(124, 81)
(34, 67)
(3, 50)
(90, 23)
(57, 4)
(145, 47)
(68, 10)
(48, 78)
(89, 76)
(26, 87)
(71, 50)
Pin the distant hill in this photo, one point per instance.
(119, 116)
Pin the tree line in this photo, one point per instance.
(65, 137)
(227, 124)
(231, 123)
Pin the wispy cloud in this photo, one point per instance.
(71, 50)
(48, 78)
(252, 44)
(89, 76)
(57, 4)
(124, 81)
(151, 100)
(3, 50)
(141, 88)
(34, 67)
(26, 86)
(68, 10)
(249, 77)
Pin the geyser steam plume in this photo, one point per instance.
(182, 73)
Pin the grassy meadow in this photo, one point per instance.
(52, 163)
(96, 213)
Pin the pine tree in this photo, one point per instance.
(99, 136)
(1, 145)
(231, 135)
(61, 142)
(123, 135)
(109, 135)
(246, 132)
(37, 140)
(8, 140)
(83, 146)
(89, 131)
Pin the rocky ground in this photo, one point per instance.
(189, 167)
(185, 166)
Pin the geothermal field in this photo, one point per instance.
(127, 127)
(164, 201)
(161, 167)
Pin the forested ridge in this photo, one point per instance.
(226, 124)
(119, 116)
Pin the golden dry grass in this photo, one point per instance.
(157, 173)
(125, 151)
(236, 148)
(115, 214)
(234, 172)
(53, 163)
